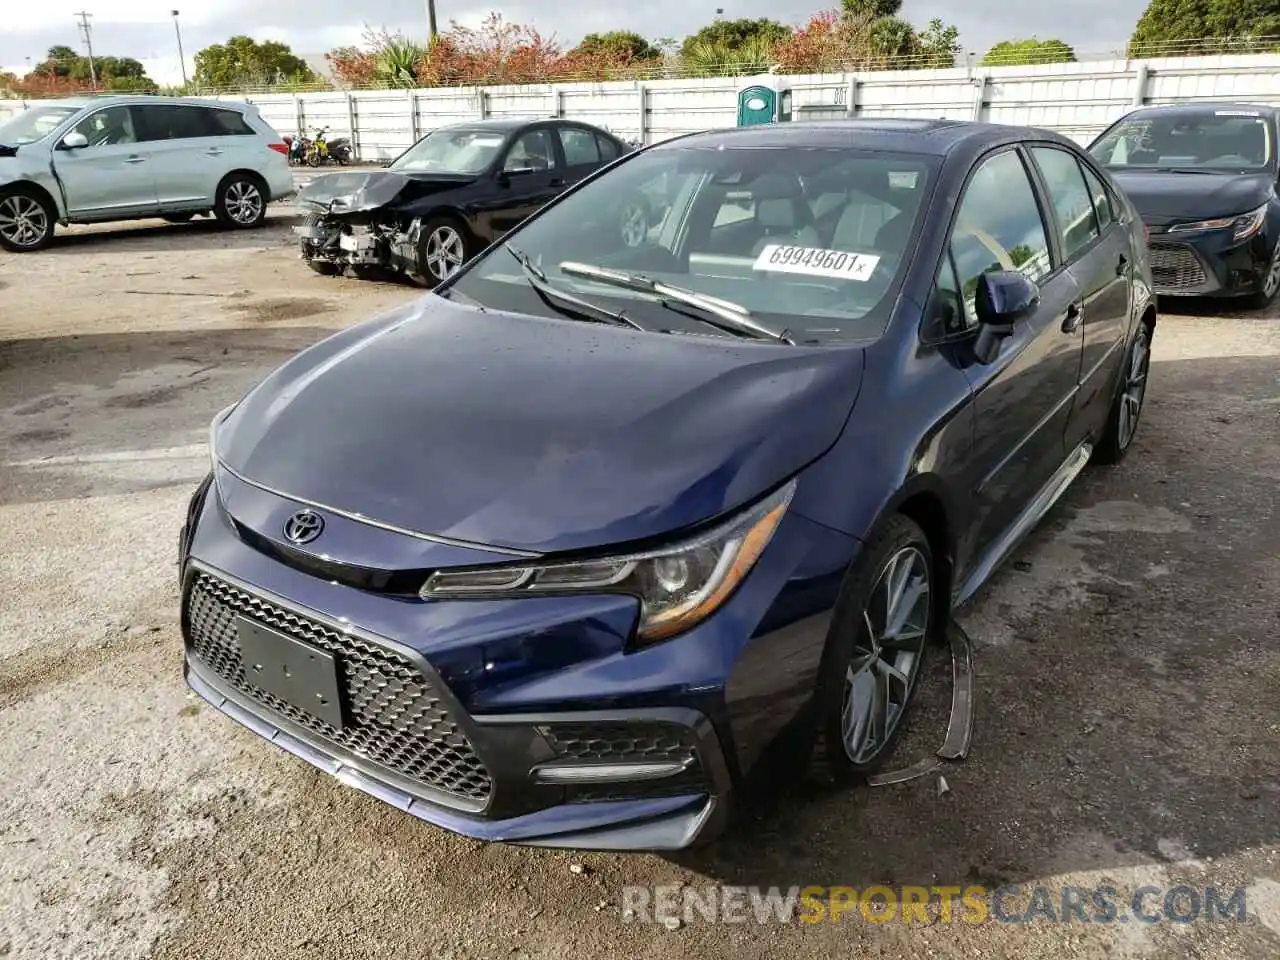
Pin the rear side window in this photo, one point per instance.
(178, 122)
(230, 123)
(608, 149)
(1102, 205)
(1077, 222)
(580, 148)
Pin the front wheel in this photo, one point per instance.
(240, 201)
(884, 622)
(1269, 284)
(443, 247)
(26, 220)
(1122, 418)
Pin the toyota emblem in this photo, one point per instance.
(303, 527)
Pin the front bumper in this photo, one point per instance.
(1209, 264)
(488, 727)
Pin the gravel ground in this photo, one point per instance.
(1128, 707)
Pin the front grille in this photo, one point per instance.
(1175, 267)
(396, 719)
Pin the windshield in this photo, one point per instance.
(1215, 140)
(33, 124)
(451, 151)
(810, 240)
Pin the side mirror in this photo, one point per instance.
(74, 141)
(1002, 299)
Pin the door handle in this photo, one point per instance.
(135, 159)
(1072, 321)
(1123, 266)
(213, 152)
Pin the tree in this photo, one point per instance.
(623, 46)
(1011, 53)
(939, 45)
(735, 34)
(1182, 28)
(242, 61)
(871, 9)
(63, 70)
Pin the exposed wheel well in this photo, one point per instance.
(926, 509)
(1149, 317)
(252, 175)
(30, 186)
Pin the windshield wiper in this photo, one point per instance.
(559, 299)
(724, 314)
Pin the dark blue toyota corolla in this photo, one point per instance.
(697, 462)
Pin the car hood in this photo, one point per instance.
(536, 434)
(360, 191)
(1164, 198)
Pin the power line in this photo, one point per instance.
(86, 33)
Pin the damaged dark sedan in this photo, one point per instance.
(447, 197)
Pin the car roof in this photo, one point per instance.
(107, 99)
(1200, 108)
(889, 134)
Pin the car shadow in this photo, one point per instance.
(197, 234)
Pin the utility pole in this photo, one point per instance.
(86, 32)
(431, 18)
(181, 59)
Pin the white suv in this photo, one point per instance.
(94, 159)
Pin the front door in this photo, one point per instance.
(530, 177)
(1022, 399)
(111, 177)
(1096, 251)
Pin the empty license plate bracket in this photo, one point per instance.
(301, 675)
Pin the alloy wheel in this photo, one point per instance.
(444, 253)
(635, 224)
(1135, 388)
(1271, 283)
(881, 676)
(243, 201)
(23, 221)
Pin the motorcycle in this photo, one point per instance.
(340, 151)
(318, 148)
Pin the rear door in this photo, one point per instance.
(111, 178)
(1096, 251)
(1022, 399)
(581, 152)
(531, 175)
(187, 152)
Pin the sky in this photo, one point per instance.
(144, 29)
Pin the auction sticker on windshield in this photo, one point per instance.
(816, 262)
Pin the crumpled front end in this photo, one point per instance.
(385, 243)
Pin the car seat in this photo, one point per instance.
(783, 213)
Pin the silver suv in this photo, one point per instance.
(94, 159)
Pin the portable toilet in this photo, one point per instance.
(764, 99)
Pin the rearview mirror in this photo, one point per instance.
(74, 141)
(1002, 299)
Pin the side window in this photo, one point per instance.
(229, 123)
(174, 122)
(531, 151)
(1102, 207)
(579, 145)
(106, 127)
(998, 227)
(947, 315)
(608, 149)
(1070, 197)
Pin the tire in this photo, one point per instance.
(1270, 282)
(27, 220)
(240, 201)
(634, 220)
(1126, 408)
(444, 245)
(857, 666)
(178, 217)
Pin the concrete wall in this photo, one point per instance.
(1077, 99)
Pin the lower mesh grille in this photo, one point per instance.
(396, 719)
(1175, 267)
(628, 742)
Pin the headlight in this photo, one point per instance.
(1243, 226)
(679, 585)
